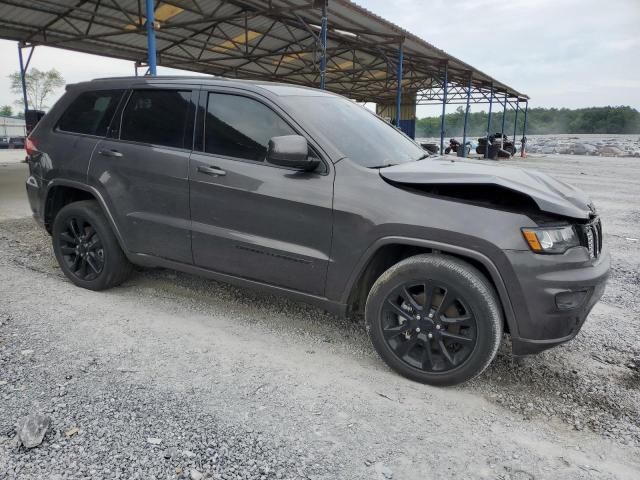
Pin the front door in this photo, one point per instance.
(143, 173)
(251, 219)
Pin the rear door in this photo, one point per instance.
(143, 170)
(70, 142)
(251, 219)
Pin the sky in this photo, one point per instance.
(562, 53)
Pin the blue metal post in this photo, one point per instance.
(399, 90)
(466, 120)
(515, 123)
(444, 105)
(323, 45)
(23, 75)
(486, 148)
(524, 130)
(151, 39)
(504, 116)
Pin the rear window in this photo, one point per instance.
(91, 112)
(159, 117)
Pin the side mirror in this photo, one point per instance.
(291, 151)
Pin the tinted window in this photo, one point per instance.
(160, 117)
(91, 112)
(355, 131)
(240, 127)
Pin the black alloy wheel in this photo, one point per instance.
(429, 326)
(81, 248)
(86, 247)
(435, 319)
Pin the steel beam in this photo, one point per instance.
(445, 86)
(323, 45)
(515, 123)
(466, 120)
(504, 115)
(399, 89)
(23, 79)
(486, 148)
(524, 131)
(151, 38)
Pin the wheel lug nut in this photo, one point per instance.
(417, 317)
(437, 327)
(429, 335)
(418, 330)
(431, 315)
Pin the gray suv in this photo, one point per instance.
(298, 191)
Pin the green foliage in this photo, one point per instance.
(40, 86)
(6, 111)
(540, 121)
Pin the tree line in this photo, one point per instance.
(540, 121)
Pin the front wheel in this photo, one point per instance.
(434, 319)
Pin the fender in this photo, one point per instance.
(503, 294)
(56, 182)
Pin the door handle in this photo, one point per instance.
(212, 171)
(110, 153)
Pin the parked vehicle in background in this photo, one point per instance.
(453, 146)
(11, 142)
(302, 192)
(456, 147)
(499, 146)
(431, 147)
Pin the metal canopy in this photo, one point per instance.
(277, 40)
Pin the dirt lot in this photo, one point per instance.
(172, 376)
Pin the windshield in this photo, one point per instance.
(355, 131)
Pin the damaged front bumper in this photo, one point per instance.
(559, 292)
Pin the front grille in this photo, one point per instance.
(591, 237)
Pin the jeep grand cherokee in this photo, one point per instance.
(302, 192)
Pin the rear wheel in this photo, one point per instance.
(434, 319)
(86, 248)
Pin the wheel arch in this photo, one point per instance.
(390, 250)
(63, 192)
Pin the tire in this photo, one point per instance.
(412, 339)
(87, 249)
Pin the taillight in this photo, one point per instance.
(30, 146)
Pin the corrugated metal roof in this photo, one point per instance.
(256, 39)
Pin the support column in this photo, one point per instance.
(523, 148)
(445, 87)
(504, 117)
(23, 75)
(323, 45)
(151, 39)
(515, 123)
(407, 112)
(466, 120)
(399, 90)
(486, 148)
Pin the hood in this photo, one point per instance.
(549, 194)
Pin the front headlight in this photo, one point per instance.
(551, 239)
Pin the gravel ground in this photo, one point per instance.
(13, 202)
(12, 156)
(172, 376)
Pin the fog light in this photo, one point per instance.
(570, 300)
